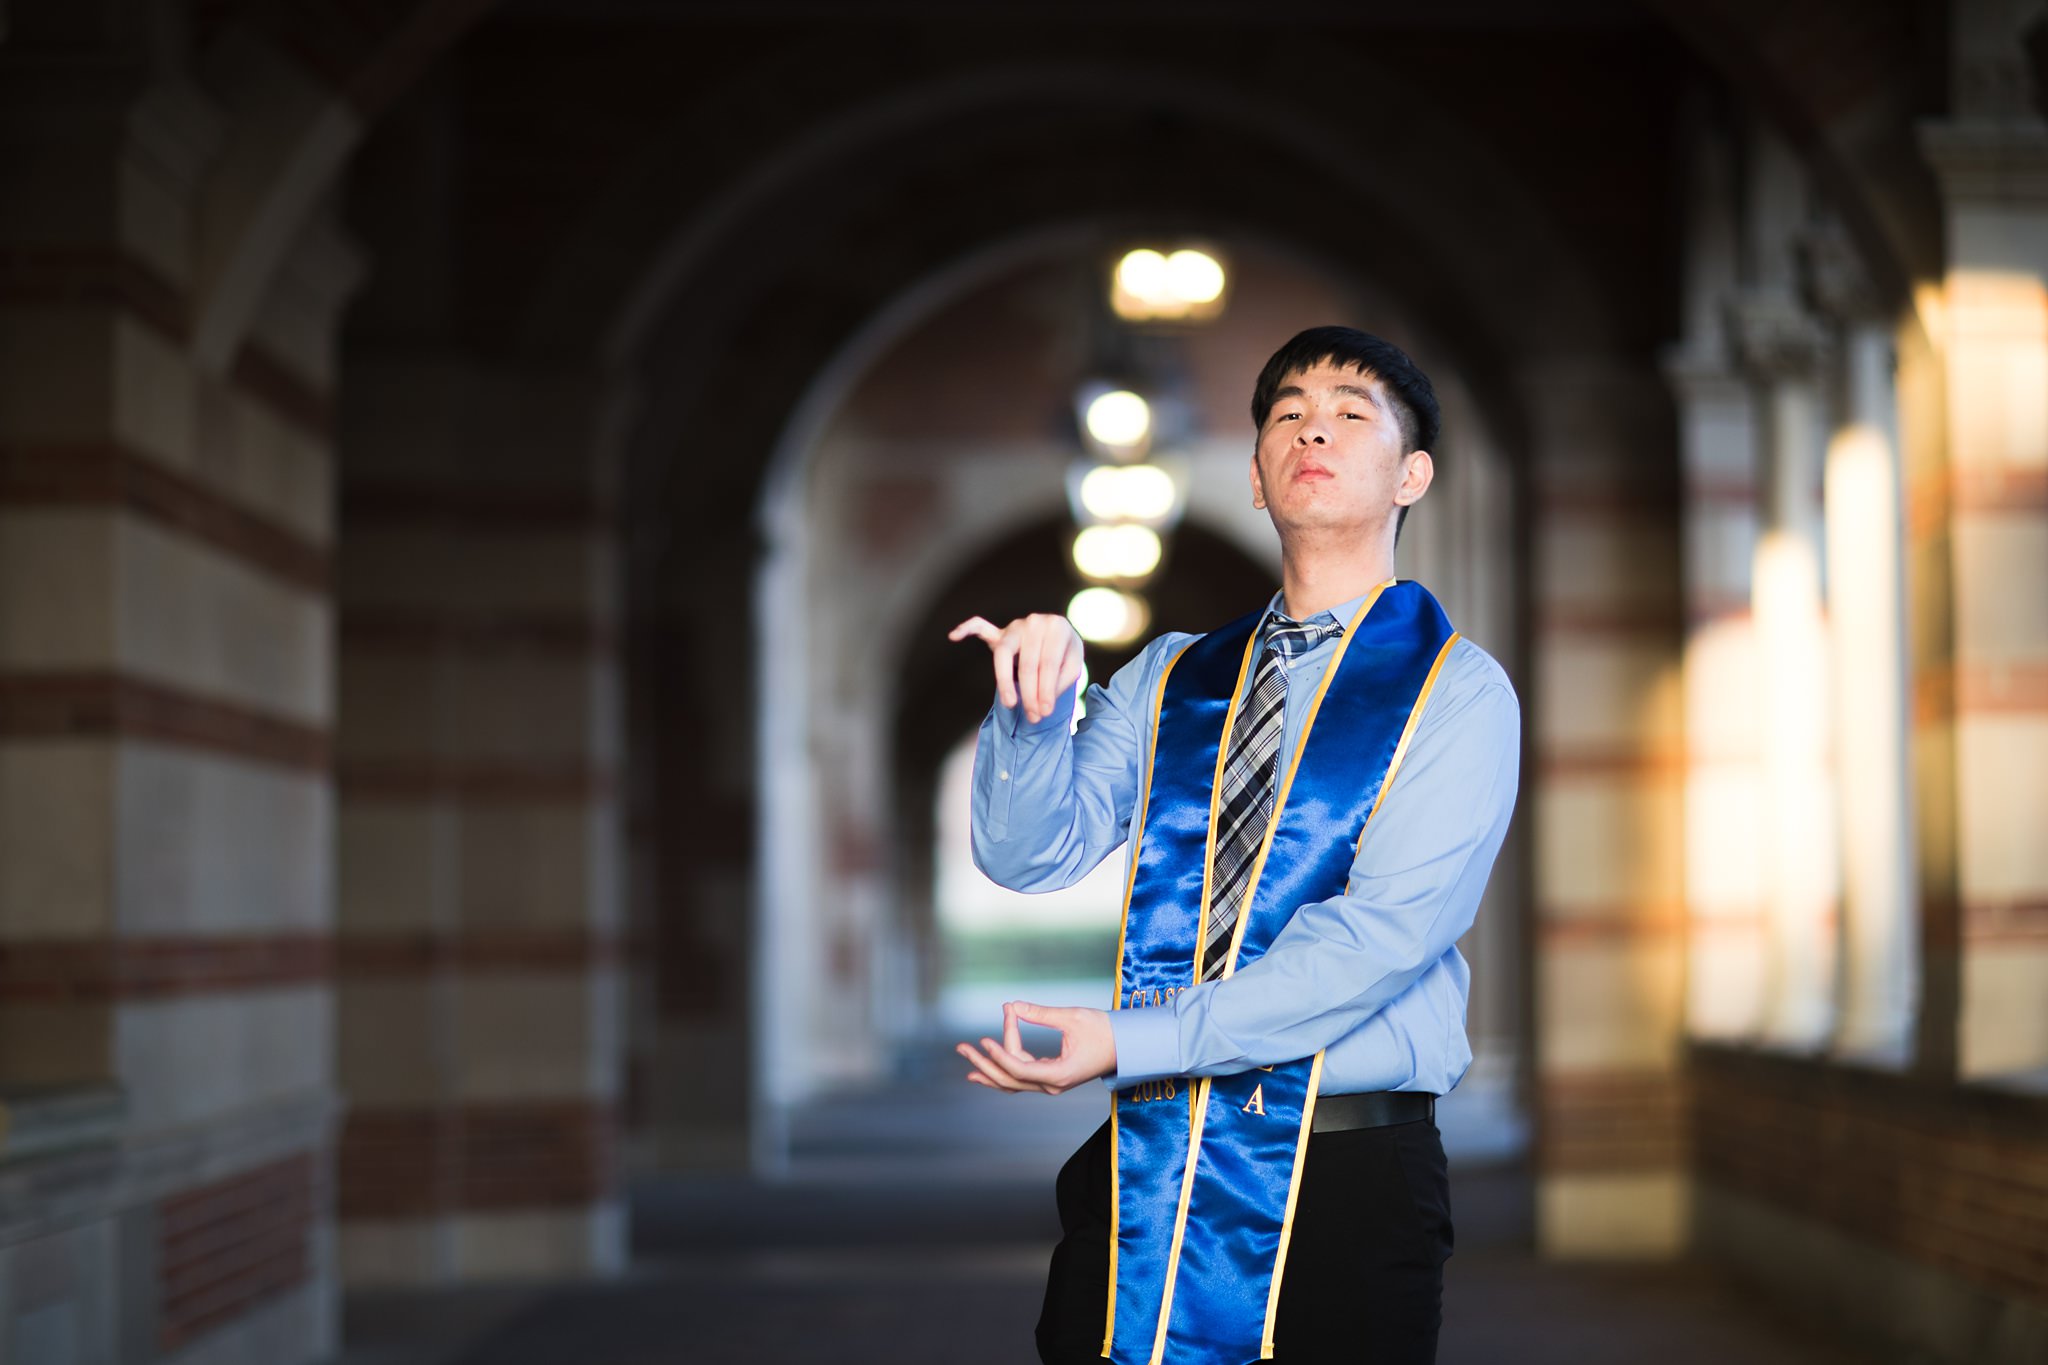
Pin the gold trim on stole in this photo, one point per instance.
(1199, 1109)
(1308, 1111)
(1308, 1108)
(1122, 931)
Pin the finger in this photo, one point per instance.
(1013, 1069)
(977, 627)
(1052, 661)
(1040, 1015)
(1004, 652)
(1070, 662)
(1026, 1070)
(1012, 1040)
(992, 1067)
(1029, 647)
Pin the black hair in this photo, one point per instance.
(1348, 348)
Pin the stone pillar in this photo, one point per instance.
(165, 711)
(1609, 918)
(1783, 349)
(479, 907)
(1726, 944)
(1865, 572)
(1992, 499)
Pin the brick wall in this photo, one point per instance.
(1956, 1179)
(226, 1247)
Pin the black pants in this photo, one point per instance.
(1364, 1279)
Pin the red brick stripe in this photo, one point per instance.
(228, 1246)
(1556, 926)
(1607, 501)
(2008, 689)
(566, 782)
(375, 956)
(1611, 760)
(556, 635)
(1587, 619)
(94, 277)
(56, 971)
(110, 278)
(476, 508)
(105, 474)
(1936, 497)
(422, 1162)
(1727, 489)
(1942, 693)
(278, 387)
(113, 706)
(46, 971)
(2010, 921)
(1611, 1121)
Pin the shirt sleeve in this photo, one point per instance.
(1412, 893)
(1051, 800)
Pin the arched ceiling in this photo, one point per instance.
(716, 196)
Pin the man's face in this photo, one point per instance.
(1331, 456)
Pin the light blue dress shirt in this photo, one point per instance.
(1373, 975)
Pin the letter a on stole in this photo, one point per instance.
(1205, 1187)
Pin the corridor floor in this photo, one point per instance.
(913, 1226)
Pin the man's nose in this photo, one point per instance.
(1311, 433)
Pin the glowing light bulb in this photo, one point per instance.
(1117, 552)
(1119, 419)
(1105, 616)
(1142, 276)
(1138, 492)
(1195, 276)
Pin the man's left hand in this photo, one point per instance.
(1087, 1050)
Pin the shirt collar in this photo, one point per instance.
(1341, 613)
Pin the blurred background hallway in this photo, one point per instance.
(484, 485)
(914, 1226)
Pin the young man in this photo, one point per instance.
(1314, 795)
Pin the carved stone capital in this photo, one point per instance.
(1834, 277)
(1988, 158)
(1775, 337)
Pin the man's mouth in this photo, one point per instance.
(1311, 471)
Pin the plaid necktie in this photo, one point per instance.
(1249, 774)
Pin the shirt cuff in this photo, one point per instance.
(1056, 721)
(1147, 1044)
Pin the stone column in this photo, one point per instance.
(1610, 948)
(1992, 160)
(165, 709)
(1783, 349)
(479, 909)
(1726, 945)
(1867, 664)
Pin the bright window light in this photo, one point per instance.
(1149, 285)
(1137, 492)
(1105, 616)
(1119, 419)
(1116, 553)
(1194, 276)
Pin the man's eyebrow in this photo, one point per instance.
(1289, 391)
(1369, 395)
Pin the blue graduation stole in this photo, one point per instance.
(1206, 1170)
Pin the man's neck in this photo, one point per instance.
(1313, 583)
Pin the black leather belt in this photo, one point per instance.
(1375, 1109)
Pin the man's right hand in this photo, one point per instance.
(1037, 658)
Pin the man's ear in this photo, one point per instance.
(1258, 488)
(1417, 469)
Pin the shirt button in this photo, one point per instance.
(1004, 775)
